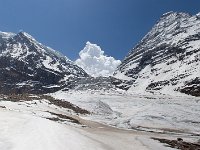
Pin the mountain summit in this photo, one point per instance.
(167, 59)
(28, 66)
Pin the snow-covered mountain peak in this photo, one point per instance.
(32, 61)
(168, 56)
(22, 45)
(172, 18)
(28, 40)
(26, 35)
(173, 15)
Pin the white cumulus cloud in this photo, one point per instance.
(95, 62)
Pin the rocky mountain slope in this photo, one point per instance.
(27, 66)
(167, 59)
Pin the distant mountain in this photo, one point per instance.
(27, 66)
(167, 59)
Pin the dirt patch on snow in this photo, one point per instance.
(179, 144)
(61, 117)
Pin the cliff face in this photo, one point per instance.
(167, 58)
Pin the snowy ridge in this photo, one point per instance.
(25, 45)
(167, 58)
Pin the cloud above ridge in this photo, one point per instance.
(95, 62)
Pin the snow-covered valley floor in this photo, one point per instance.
(20, 131)
(118, 121)
(158, 113)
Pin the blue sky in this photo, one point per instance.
(66, 25)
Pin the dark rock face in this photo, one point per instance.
(179, 144)
(167, 57)
(30, 67)
(192, 87)
(97, 83)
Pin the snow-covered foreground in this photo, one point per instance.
(155, 113)
(27, 129)
(20, 131)
(118, 121)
